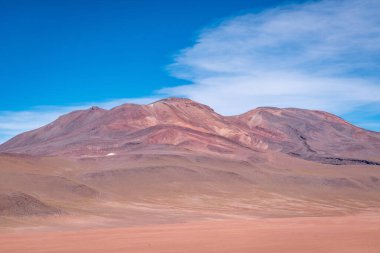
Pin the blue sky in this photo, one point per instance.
(57, 56)
(63, 52)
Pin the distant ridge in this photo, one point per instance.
(183, 125)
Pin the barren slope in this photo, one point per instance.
(183, 124)
(177, 160)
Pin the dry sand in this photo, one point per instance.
(345, 234)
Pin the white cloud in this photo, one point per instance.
(319, 55)
(237, 94)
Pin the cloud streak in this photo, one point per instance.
(318, 55)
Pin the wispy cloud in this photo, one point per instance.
(320, 55)
(15, 122)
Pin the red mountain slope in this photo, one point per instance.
(182, 125)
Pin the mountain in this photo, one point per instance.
(176, 160)
(176, 124)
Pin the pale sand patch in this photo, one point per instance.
(349, 234)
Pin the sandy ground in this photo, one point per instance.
(187, 204)
(349, 234)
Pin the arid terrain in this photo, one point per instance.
(350, 234)
(175, 176)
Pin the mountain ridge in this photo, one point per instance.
(184, 124)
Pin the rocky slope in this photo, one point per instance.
(21, 204)
(182, 125)
(177, 160)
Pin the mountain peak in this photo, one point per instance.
(96, 108)
(183, 124)
(183, 103)
(174, 100)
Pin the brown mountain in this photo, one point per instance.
(178, 160)
(183, 125)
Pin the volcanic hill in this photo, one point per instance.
(176, 159)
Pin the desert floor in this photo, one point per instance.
(344, 234)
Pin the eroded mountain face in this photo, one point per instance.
(178, 160)
(182, 125)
